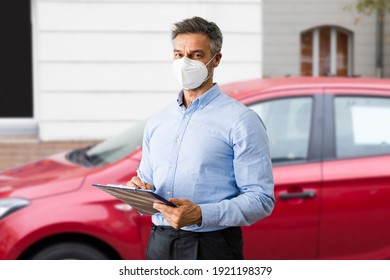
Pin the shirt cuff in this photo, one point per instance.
(210, 215)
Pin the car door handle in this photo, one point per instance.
(292, 195)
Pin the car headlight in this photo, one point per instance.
(10, 205)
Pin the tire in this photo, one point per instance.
(69, 251)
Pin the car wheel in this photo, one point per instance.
(69, 251)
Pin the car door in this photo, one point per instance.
(355, 221)
(292, 122)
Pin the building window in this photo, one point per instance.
(326, 51)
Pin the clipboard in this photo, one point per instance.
(141, 200)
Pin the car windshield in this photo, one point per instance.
(110, 150)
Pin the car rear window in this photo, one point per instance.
(362, 126)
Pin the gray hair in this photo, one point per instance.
(200, 25)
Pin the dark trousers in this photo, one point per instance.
(167, 243)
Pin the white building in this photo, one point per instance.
(102, 65)
(99, 66)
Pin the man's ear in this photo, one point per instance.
(217, 59)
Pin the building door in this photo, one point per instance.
(16, 91)
(326, 51)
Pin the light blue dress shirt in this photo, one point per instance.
(214, 153)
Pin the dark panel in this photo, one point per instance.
(16, 98)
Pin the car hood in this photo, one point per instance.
(46, 177)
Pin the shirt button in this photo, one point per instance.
(168, 193)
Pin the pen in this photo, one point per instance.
(140, 176)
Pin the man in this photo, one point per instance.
(208, 154)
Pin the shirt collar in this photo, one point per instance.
(202, 100)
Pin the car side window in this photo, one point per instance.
(288, 123)
(362, 126)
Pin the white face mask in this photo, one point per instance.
(190, 73)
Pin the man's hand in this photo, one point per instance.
(186, 213)
(137, 182)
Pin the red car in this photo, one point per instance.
(330, 145)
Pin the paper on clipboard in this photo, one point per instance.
(141, 200)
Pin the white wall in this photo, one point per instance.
(103, 65)
(284, 20)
